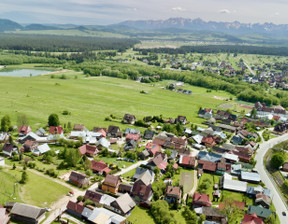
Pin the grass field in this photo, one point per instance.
(140, 215)
(90, 100)
(38, 191)
(186, 180)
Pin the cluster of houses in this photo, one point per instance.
(211, 152)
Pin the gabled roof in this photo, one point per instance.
(24, 130)
(8, 147)
(251, 219)
(208, 156)
(27, 211)
(75, 207)
(103, 216)
(259, 211)
(93, 196)
(250, 176)
(56, 130)
(43, 148)
(207, 165)
(202, 198)
(140, 171)
(125, 203)
(100, 166)
(112, 180)
(79, 127)
(187, 160)
(175, 191)
(145, 178)
(77, 177)
(87, 149)
(103, 142)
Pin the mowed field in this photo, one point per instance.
(92, 99)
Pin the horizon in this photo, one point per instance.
(91, 12)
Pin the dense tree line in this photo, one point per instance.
(63, 43)
(243, 49)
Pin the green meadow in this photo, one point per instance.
(91, 99)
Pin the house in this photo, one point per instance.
(27, 213)
(4, 216)
(181, 120)
(160, 160)
(75, 209)
(8, 149)
(100, 167)
(251, 219)
(253, 191)
(129, 119)
(200, 200)
(142, 188)
(144, 154)
(208, 141)
(114, 132)
(41, 149)
(139, 171)
(131, 131)
(130, 145)
(187, 161)
(214, 214)
(41, 132)
(221, 168)
(135, 137)
(2, 161)
(111, 183)
(123, 205)
(86, 212)
(4, 137)
(125, 188)
(148, 134)
(198, 138)
(30, 136)
(237, 140)
(29, 145)
(263, 110)
(78, 179)
(79, 127)
(100, 130)
(285, 167)
(173, 194)
(250, 177)
(259, 211)
(231, 158)
(227, 128)
(263, 199)
(205, 113)
(227, 183)
(56, 130)
(153, 148)
(88, 150)
(247, 134)
(24, 130)
(209, 156)
(104, 216)
(207, 166)
(93, 196)
(244, 153)
(103, 143)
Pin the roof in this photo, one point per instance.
(285, 165)
(231, 157)
(251, 219)
(100, 166)
(113, 129)
(172, 190)
(75, 207)
(79, 127)
(125, 203)
(103, 142)
(140, 171)
(103, 216)
(106, 199)
(43, 148)
(249, 176)
(198, 138)
(131, 131)
(56, 130)
(261, 197)
(93, 196)
(207, 165)
(87, 149)
(209, 156)
(146, 178)
(234, 185)
(187, 160)
(259, 211)
(24, 130)
(203, 198)
(28, 211)
(214, 212)
(8, 147)
(77, 177)
(112, 180)
(86, 212)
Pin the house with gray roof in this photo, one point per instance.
(123, 205)
(103, 143)
(259, 211)
(209, 156)
(227, 183)
(139, 171)
(41, 149)
(102, 215)
(27, 213)
(251, 177)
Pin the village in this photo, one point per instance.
(206, 171)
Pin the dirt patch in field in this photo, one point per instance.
(245, 106)
(186, 181)
(221, 98)
(226, 106)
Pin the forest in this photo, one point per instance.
(51, 43)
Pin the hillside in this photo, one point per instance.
(8, 25)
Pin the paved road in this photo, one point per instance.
(252, 72)
(276, 196)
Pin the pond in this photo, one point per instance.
(22, 72)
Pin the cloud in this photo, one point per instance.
(178, 9)
(225, 11)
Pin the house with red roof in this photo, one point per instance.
(56, 130)
(207, 166)
(187, 161)
(251, 219)
(100, 167)
(153, 148)
(135, 137)
(88, 150)
(208, 141)
(75, 209)
(200, 200)
(24, 130)
(160, 160)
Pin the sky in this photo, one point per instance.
(104, 12)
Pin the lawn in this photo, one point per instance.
(114, 160)
(140, 215)
(186, 180)
(213, 179)
(129, 174)
(7, 188)
(39, 191)
(92, 99)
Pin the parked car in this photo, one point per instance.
(284, 213)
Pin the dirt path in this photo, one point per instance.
(56, 72)
(195, 183)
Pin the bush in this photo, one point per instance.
(32, 165)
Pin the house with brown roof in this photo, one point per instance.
(208, 141)
(200, 200)
(93, 196)
(135, 137)
(75, 208)
(27, 213)
(29, 145)
(153, 148)
(251, 219)
(100, 167)
(285, 167)
(214, 214)
(79, 127)
(88, 150)
(173, 194)
(142, 188)
(181, 120)
(129, 119)
(78, 179)
(159, 160)
(56, 130)
(24, 130)
(114, 132)
(8, 149)
(263, 199)
(111, 183)
(123, 205)
(187, 161)
(207, 166)
(103, 131)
